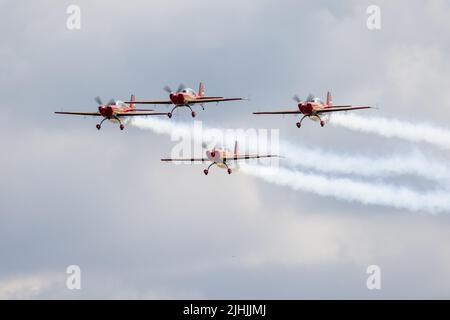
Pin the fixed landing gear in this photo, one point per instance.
(99, 125)
(121, 126)
(228, 168)
(193, 114)
(206, 171)
(299, 124)
(170, 114)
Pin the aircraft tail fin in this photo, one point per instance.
(201, 89)
(132, 99)
(329, 99)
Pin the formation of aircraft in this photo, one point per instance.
(114, 111)
(186, 97)
(221, 158)
(315, 109)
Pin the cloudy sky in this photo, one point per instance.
(139, 228)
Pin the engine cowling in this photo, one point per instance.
(306, 108)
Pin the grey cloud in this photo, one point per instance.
(142, 229)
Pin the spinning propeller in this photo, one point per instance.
(99, 101)
(169, 90)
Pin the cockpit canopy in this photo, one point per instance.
(188, 91)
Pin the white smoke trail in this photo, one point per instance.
(414, 132)
(351, 190)
(160, 126)
(414, 163)
(374, 193)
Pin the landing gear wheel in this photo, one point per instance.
(205, 172)
(322, 123)
(193, 114)
(298, 124)
(122, 127)
(98, 127)
(229, 171)
(169, 115)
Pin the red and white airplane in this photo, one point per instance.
(315, 109)
(114, 111)
(221, 158)
(186, 97)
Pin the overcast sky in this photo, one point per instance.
(139, 228)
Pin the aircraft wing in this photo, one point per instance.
(342, 108)
(185, 159)
(213, 99)
(279, 112)
(205, 97)
(198, 100)
(249, 156)
(238, 157)
(79, 113)
(150, 102)
(140, 113)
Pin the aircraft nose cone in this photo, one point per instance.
(105, 111)
(212, 155)
(180, 98)
(305, 108)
